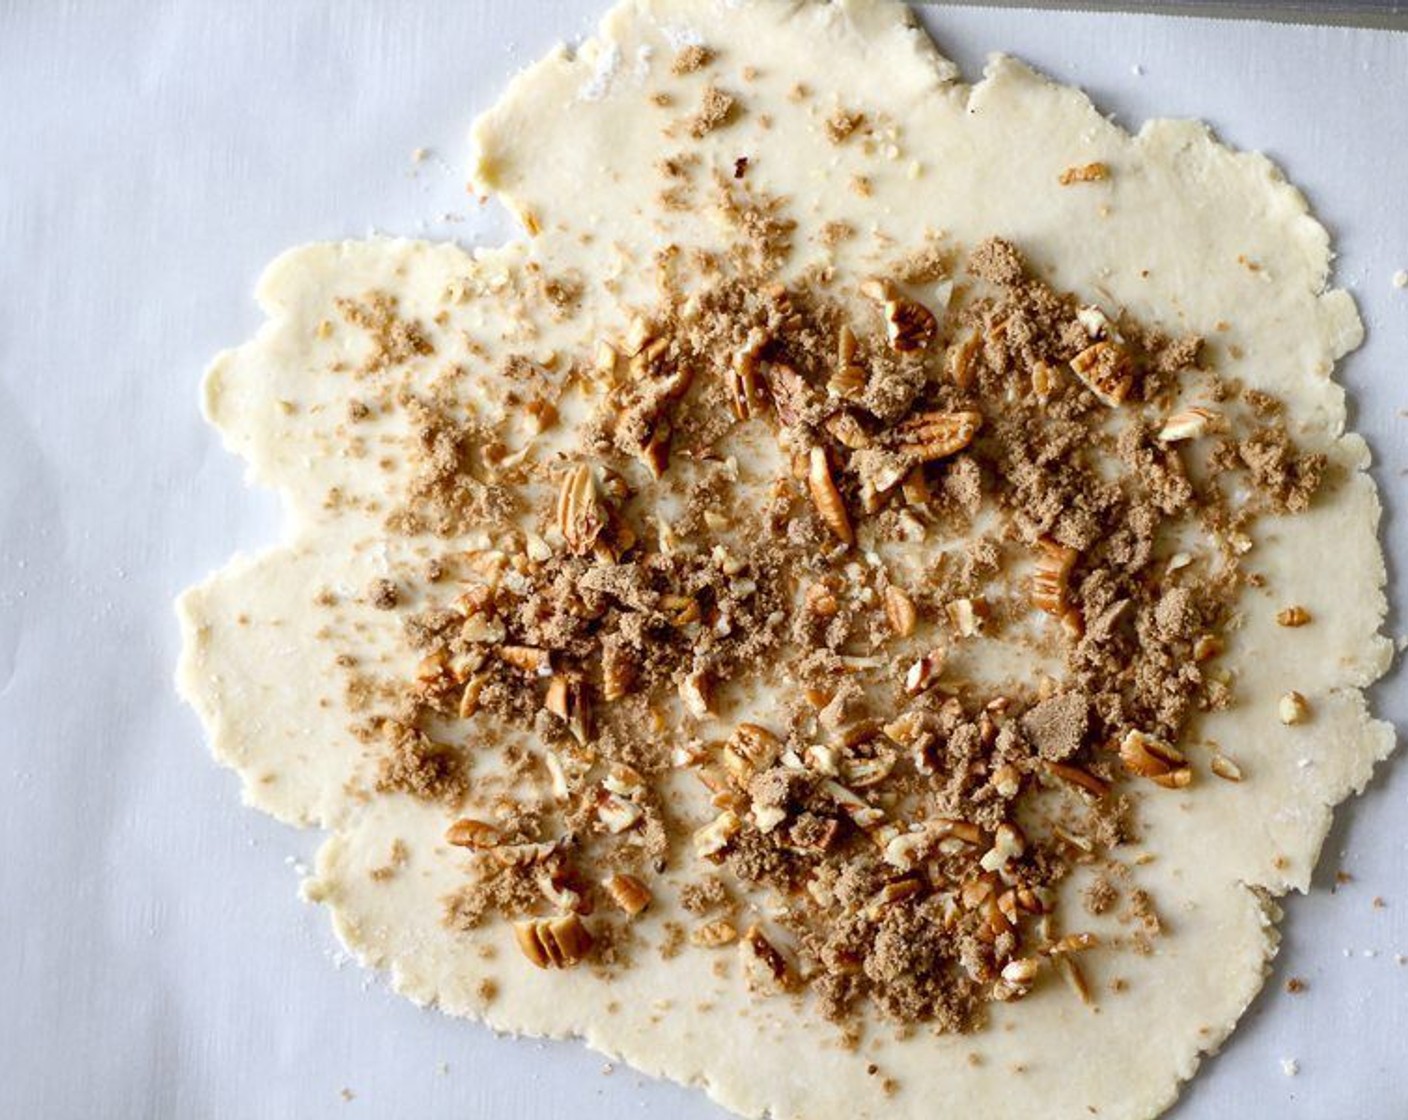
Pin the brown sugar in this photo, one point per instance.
(417, 765)
(382, 594)
(395, 340)
(1057, 728)
(690, 58)
(716, 109)
(841, 124)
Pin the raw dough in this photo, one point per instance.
(1182, 225)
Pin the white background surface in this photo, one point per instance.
(153, 958)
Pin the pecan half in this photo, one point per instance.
(830, 507)
(928, 436)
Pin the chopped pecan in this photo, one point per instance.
(1154, 759)
(1049, 580)
(909, 325)
(1107, 370)
(553, 942)
(628, 892)
(830, 506)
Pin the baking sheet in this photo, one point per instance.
(154, 960)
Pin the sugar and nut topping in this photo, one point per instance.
(734, 634)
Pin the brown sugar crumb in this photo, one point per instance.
(1262, 403)
(357, 410)
(676, 166)
(1101, 896)
(740, 167)
(1057, 727)
(1084, 173)
(486, 991)
(396, 860)
(674, 198)
(561, 293)
(841, 124)
(674, 941)
(448, 494)
(834, 232)
(716, 109)
(395, 341)
(509, 892)
(705, 896)
(1288, 478)
(383, 594)
(1295, 985)
(862, 185)
(998, 262)
(691, 58)
(417, 765)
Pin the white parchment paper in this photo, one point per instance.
(154, 961)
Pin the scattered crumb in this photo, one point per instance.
(1400, 278)
(382, 594)
(395, 860)
(1295, 985)
(716, 109)
(1085, 173)
(691, 58)
(841, 124)
(1290, 1067)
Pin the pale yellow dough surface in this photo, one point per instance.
(571, 147)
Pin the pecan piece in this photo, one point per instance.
(1053, 571)
(568, 699)
(909, 325)
(900, 611)
(1107, 370)
(1154, 759)
(553, 942)
(470, 833)
(928, 436)
(628, 892)
(830, 507)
